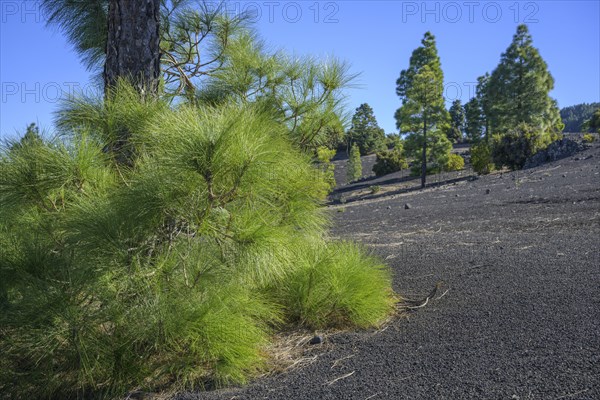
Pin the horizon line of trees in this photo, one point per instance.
(510, 118)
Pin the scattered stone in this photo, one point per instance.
(564, 175)
(389, 207)
(316, 340)
(407, 206)
(455, 195)
(487, 191)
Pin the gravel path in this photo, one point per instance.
(521, 315)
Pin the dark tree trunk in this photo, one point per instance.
(133, 54)
(132, 49)
(424, 157)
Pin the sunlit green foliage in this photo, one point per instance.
(389, 161)
(324, 156)
(303, 93)
(159, 241)
(455, 163)
(457, 122)
(365, 132)
(392, 141)
(423, 113)
(340, 286)
(168, 270)
(517, 145)
(481, 158)
(518, 89)
(473, 121)
(354, 169)
(592, 124)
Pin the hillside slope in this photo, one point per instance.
(519, 257)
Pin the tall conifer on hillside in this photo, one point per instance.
(457, 119)
(518, 89)
(423, 114)
(518, 110)
(473, 120)
(365, 132)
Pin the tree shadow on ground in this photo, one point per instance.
(337, 195)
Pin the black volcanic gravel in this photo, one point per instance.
(521, 317)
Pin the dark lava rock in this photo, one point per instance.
(559, 149)
(316, 340)
(407, 206)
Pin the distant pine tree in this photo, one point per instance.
(423, 114)
(518, 112)
(518, 90)
(365, 132)
(457, 120)
(473, 120)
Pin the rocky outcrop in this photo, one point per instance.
(560, 149)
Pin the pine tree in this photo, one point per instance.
(485, 104)
(518, 90)
(31, 137)
(519, 113)
(365, 132)
(473, 120)
(476, 112)
(424, 55)
(354, 170)
(423, 114)
(457, 121)
(214, 229)
(132, 48)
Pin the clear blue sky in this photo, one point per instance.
(376, 37)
